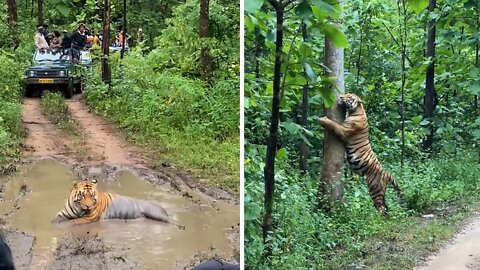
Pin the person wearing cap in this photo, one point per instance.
(66, 40)
(140, 36)
(39, 39)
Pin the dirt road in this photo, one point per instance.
(53, 160)
(462, 252)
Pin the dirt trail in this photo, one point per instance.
(101, 140)
(462, 253)
(43, 137)
(104, 154)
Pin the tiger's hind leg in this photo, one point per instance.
(376, 186)
(154, 211)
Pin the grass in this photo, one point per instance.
(182, 120)
(55, 109)
(354, 236)
(205, 158)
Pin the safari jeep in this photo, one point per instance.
(54, 69)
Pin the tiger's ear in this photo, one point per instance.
(94, 181)
(75, 184)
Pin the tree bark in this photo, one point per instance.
(12, 23)
(40, 12)
(122, 52)
(269, 170)
(206, 60)
(430, 98)
(304, 120)
(331, 184)
(106, 71)
(12, 11)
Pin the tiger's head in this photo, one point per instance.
(350, 101)
(85, 194)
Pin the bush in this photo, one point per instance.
(305, 237)
(193, 123)
(11, 128)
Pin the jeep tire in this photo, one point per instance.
(68, 90)
(29, 90)
(78, 87)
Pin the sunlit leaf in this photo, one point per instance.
(252, 6)
(418, 5)
(310, 73)
(335, 35)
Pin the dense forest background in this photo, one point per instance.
(160, 93)
(416, 66)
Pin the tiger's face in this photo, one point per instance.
(85, 194)
(350, 101)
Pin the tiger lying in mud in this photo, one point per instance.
(363, 161)
(86, 204)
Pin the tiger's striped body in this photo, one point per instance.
(363, 161)
(86, 204)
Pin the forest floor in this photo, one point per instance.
(461, 252)
(96, 148)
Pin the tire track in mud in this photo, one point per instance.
(101, 140)
(44, 139)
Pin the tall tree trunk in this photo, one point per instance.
(269, 170)
(331, 184)
(106, 71)
(430, 98)
(304, 120)
(12, 11)
(40, 12)
(122, 52)
(12, 23)
(206, 60)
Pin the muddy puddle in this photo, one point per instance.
(156, 245)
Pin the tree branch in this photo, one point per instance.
(396, 42)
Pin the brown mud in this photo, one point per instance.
(37, 191)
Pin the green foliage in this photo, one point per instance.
(306, 237)
(54, 107)
(353, 236)
(11, 128)
(192, 124)
(178, 47)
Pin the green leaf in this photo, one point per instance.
(63, 9)
(249, 25)
(416, 119)
(309, 71)
(424, 122)
(304, 10)
(418, 5)
(291, 127)
(335, 35)
(325, 7)
(281, 153)
(305, 139)
(474, 88)
(328, 96)
(252, 6)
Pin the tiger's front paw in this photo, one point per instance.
(323, 120)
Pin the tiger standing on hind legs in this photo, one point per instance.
(353, 132)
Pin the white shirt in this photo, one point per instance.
(40, 41)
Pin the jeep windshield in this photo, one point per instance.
(44, 55)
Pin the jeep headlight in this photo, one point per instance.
(61, 73)
(31, 73)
